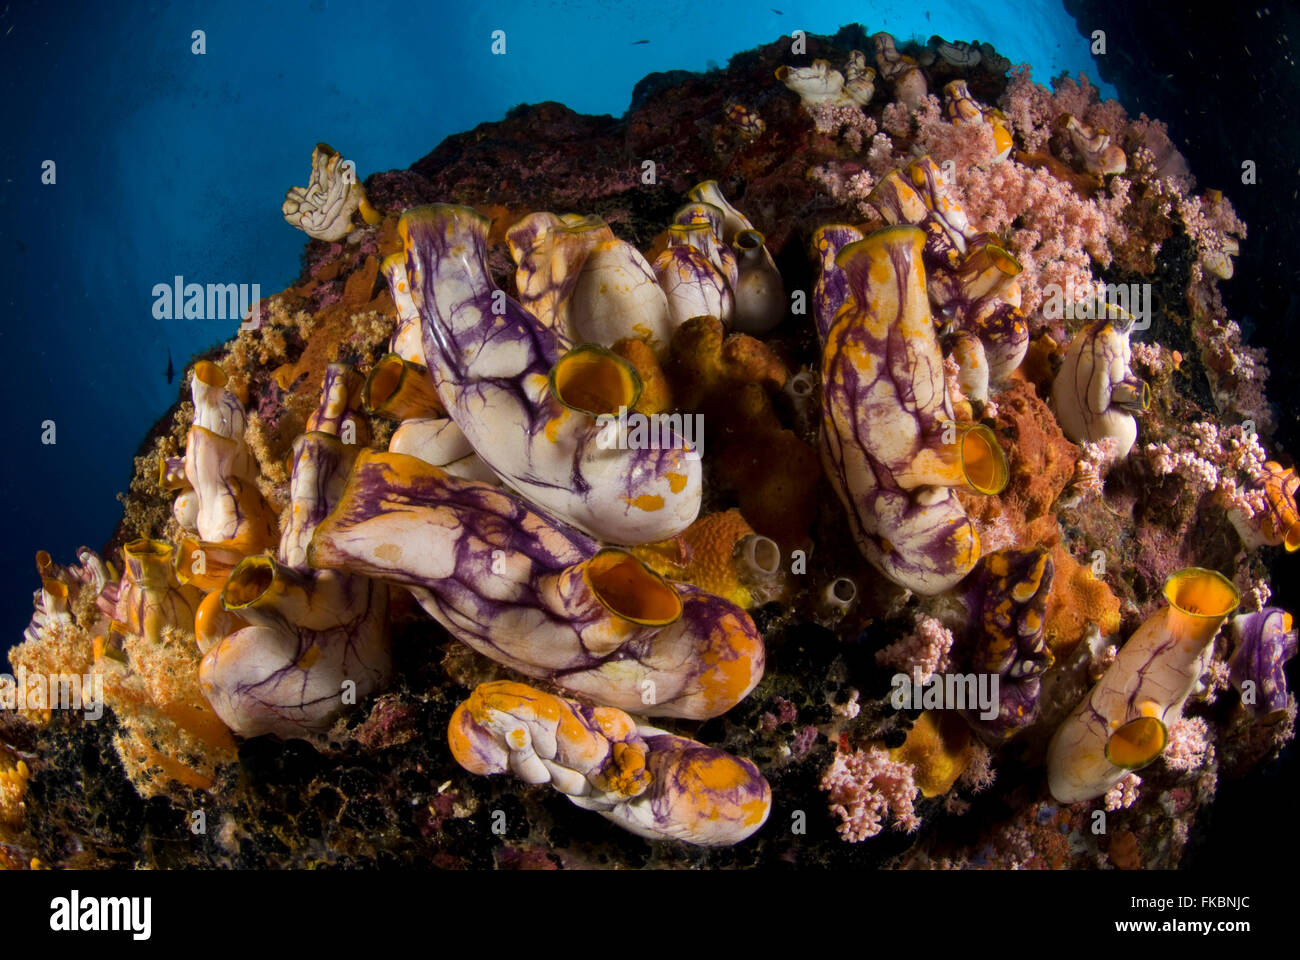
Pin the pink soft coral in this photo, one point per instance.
(865, 786)
(1189, 745)
(843, 121)
(848, 185)
(1124, 794)
(979, 773)
(1053, 231)
(924, 650)
(1227, 460)
(1034, 110)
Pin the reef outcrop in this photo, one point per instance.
(828, 448)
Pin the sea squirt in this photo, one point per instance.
(1123, 724)
(890, 443)
(538, 597)
(650, 782)
(528, 407)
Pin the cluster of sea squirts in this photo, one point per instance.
(535, 491)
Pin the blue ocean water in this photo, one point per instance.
(168, 162)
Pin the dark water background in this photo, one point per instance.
(1227, 84)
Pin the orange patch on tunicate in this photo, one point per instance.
(401, 469)
(859, 358)
(458, 741)
(730, 666)
(613, 723)
(522, 701)
(553, 427)
(390, 552)
(754, 811)
(965, 545)
(881, 271)
(646, 501)
(720, 773)
(627, 775)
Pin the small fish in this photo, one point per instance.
(776, 11)
(171, 370)
(638, 42)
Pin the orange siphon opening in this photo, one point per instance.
(207, 372)
(1201, 593)
(248, 582)
(628, 588)
(383, 381)
(593, 380)
(982, 461)
(1137, 743)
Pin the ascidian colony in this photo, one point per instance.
(845, 458)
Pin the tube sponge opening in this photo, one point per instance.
(1201, 593)
(983, 463)
(210, 374)
(759, 555)
(248, 582)
(591, 379)
(629, 589)
(399, 389)
(1137, 743)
